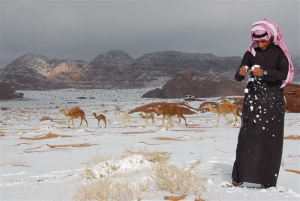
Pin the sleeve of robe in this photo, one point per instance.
(282, 68)
(245, 62)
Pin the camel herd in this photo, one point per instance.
(169, 111)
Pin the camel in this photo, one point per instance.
(225, 108)
(99, 118)
(124, 117)
(148, 116)
(74, 113)
(170, 110)
(118, 110)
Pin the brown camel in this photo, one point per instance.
(99, 118)
(148, 116)
(225, 108)
(74, 113)
(170, 110)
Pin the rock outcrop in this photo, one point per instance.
(191, 82)
(292, 97)
(7, 92)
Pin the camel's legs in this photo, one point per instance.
(86, 122)
(163, 119)
(72, 122)
(235, 115)
(218, 119)
(153, 122)
(179, 119)
(184, 119)
(170, 119)
(226, 118)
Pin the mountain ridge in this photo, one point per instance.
(116, 69)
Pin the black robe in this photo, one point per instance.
(260, 140)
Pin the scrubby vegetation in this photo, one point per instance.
(150, 172)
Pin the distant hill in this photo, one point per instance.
(114, 69)
(201, 73)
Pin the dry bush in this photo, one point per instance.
(112, 189)
(14, 162)
(105, 111)
(141, 183)
(98, 158)
(7, 118)
(45, 118)
(88, 173)
(154, 157)
(23, 111)
(178, 180)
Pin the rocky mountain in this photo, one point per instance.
(107, 70)
(113, 69)
(116, 69)
(37, 72)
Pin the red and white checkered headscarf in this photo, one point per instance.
(272, 29)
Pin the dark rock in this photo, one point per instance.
(8, 92)
(292, 97)
(190, 82)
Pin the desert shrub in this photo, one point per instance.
(45, 118)
(178, 180)
(154, 157)
(104, 178)
(13, 162)
(110, 188)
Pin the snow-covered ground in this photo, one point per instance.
(45, 160)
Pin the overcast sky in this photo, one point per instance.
(66, 29)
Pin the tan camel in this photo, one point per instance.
(148, 116)
(99, 118)
(124, 117)
(170, 110)
(118, 110)
(225, 108)
(74, 113)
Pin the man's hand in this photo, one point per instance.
(258, 72)
(243, 70)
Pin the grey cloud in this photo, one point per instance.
(84, 29)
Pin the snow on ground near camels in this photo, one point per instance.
(33, 168)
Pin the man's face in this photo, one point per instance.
(262, 44)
